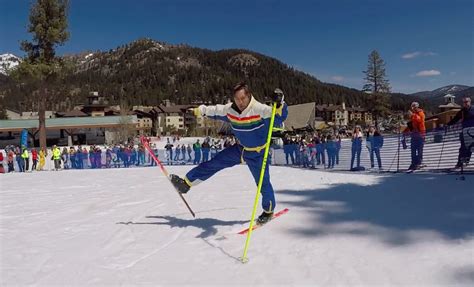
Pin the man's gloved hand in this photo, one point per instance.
(278, 97)
(198, 112)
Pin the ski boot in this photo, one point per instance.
(180, 184)
(264, 217)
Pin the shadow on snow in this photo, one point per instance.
(393, 210)
(208, 225)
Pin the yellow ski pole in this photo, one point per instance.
(244, 258)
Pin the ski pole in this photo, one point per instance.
(165, 172)
(260, 182)
(442, 146)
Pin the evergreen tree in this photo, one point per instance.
(41, 68)
(377, 85)
(375, 77)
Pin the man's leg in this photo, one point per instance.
(254, 162)
(413, 154)
(372, 151)
(359, 150)
(379, 159)
(353, 154)
(227, 158)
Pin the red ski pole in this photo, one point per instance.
(165, 172)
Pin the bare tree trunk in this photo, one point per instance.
(42, 118)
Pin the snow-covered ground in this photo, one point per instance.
(128, 227)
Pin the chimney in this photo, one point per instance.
(343, 106)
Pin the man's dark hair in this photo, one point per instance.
(242, 86)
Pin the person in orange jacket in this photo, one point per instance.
(418, 132)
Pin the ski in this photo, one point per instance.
(278, 214)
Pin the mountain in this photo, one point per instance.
(441, 92)
(436, 97)
(8, 61)
(146, 72)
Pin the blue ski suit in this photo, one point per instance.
(251, 128)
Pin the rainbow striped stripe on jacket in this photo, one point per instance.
(251, 125)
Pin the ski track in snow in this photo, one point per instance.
(128, 227)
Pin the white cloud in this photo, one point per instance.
(430, 54)
(418, 54)
(411, 55)
(337, 79)
(428, 73)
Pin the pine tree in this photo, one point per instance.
(375, 77)
(377, 85)
(42, 68)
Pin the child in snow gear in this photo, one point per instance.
(250, 121)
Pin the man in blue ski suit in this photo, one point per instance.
(250, 121)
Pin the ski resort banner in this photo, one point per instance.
(24, 138)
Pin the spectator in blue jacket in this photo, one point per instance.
(108, 158)
(183, 152)
(206, 148)
(177, 152)
(338, 147)
(374, 143)
(320, 147)
(331, 150)
(72, 157)
(79, 161)
(288, 150)
(189, 150)
(19, 160)
(169, 152)
(356, 147)
(141, 155)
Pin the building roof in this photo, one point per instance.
(329, 108)
(300, 116)
(70, 114)
(450, 105)
(436, 116)
(67, 123)
(173, 108)
(357, 109)
(13, 111)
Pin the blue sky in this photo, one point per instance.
(425, 44)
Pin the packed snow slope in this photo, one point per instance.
(128, 227)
